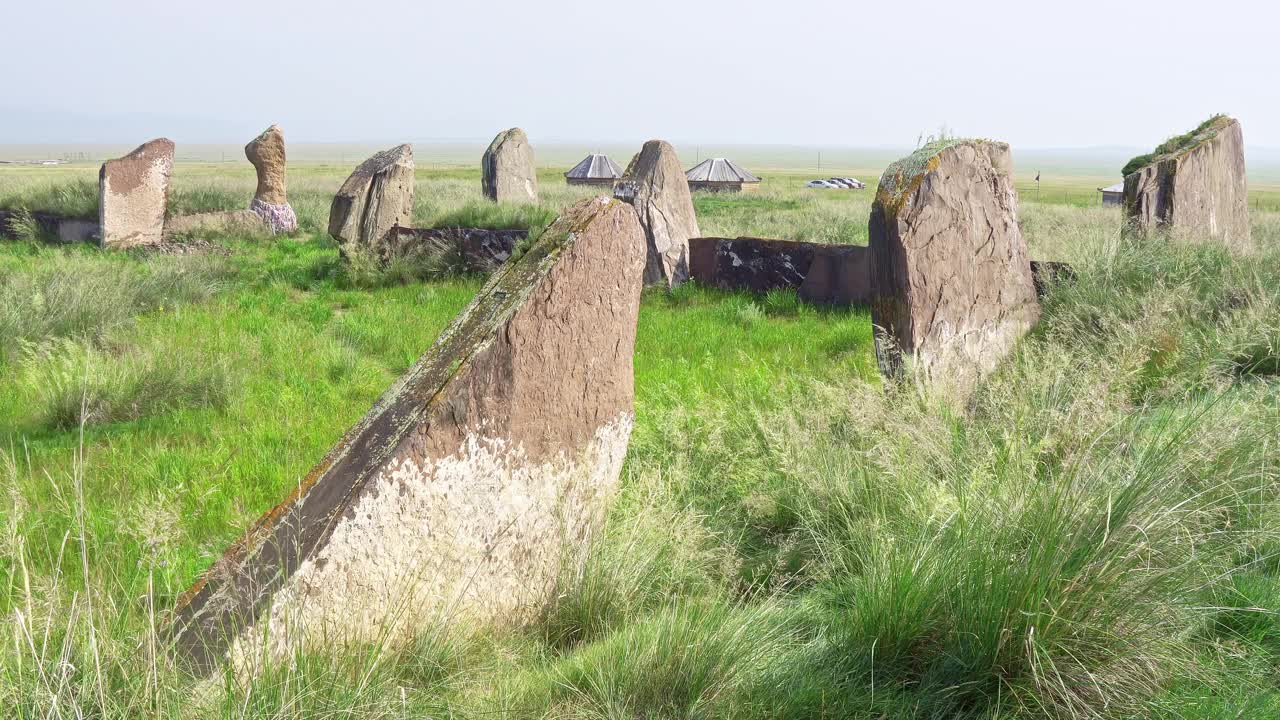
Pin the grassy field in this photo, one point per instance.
(1092, 535)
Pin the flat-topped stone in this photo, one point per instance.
(507, 170)
(655, 184)
(375, 198)
(951, 278)
(1193, 186)
(133, 195)
(472, 483)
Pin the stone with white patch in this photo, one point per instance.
(133, 195)
(471, 485)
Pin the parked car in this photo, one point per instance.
(852, 183)
(838, 183)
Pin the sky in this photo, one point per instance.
(1123, 73)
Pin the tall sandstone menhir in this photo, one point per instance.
(133, 195)
(951, 279)
(507, 169)
(655, 184)
(471, 485)
(270, 203)
(375, 198)
(1193, 186)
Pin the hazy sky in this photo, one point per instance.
(1037, 74)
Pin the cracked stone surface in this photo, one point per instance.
(507, 169)
(133, 195)
(951, 280)
(473, 483)
(1198, 193)
(375, 198)
(655, 184)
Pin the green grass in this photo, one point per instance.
(1092, 535)
(1172, 145)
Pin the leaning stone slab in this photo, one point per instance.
(1193, 186)
(951, 278)
(507, 170)
(270, 202)
(471, 484)
(375, 198)
(133, 195)
(655, 184)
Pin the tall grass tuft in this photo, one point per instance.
(82, 296)
(67, 383)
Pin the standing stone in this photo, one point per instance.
(1193, 186)
(507, 169)
(266, 152)
(472, 484)
(377, 197)
(951, 278)
(655, 184)
(133, 195)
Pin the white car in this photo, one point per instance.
(838, 183)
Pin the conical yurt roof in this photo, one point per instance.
(595, 167)
(719, 170)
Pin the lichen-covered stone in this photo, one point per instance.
(270, 201)
(375, 198)
(951, 278)
(655, 184)
(471, 485)
(133, 195)
(1197, 190)
(507, 169)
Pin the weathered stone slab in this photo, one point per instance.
(655, 184)
(820, 273)
(1194, 187)
(375, 198)
(507, 169)
(473, 250)
(270, 201)
(245, 221)
(951, 279)
(471, 484)
(133, 195)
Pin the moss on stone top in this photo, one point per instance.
(902, 177)
(1178, 144)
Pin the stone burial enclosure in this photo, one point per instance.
(820, 273)
(133, 199)
(372, 213)
(471, 484)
